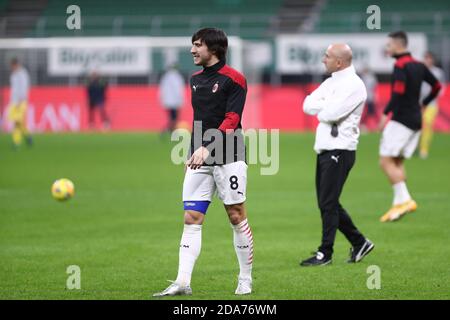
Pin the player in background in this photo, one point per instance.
(431, 111)
(20, 85)
(371, 82)
(171, 95)
(218, 98)
(401, 134)
(96, 91)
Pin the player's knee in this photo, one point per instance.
(193, 217)
(236, 213)
(384, 162)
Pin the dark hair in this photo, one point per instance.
(215, 39)
(399, 35)
(14, 61)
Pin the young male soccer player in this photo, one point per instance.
(401, 134)
(338, 103)
(218, 98)
(20, 84)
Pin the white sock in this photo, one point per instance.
(190, 245)
(401, 194)
(243, 245)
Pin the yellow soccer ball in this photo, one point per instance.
(63, 189)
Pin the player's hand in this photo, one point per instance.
(198, 158)
(383, 122)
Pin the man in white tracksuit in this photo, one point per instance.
(338, 104)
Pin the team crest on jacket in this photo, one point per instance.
(215, 87)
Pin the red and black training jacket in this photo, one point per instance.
(406, 82)
(218, 99)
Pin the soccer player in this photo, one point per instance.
(218, 98)
(171, 95)
(96, 91)
(431, 111)
(20, 84)
(338, 103)
(370, 81)
(401, 134)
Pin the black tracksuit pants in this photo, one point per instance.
(332, 170)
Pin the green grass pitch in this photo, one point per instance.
(124, 224)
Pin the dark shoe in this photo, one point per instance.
(318, 260)
(358, 253)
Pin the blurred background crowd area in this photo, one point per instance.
(277, 44)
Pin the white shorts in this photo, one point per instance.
(397, 140)
(228, 180)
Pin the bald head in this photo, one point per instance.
(342, 51)
(337, 57)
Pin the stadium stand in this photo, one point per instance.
(3, 4)
(260, 20)
(16, 17)
(345, 16)
(248, 18)
(251, 19)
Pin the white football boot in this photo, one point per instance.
(174, 290)
(244, 286)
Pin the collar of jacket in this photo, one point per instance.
(350, 69)
(215, 67)
(404, 54)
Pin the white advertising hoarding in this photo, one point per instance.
(113, 60)
(303, 53)
(67, 56)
